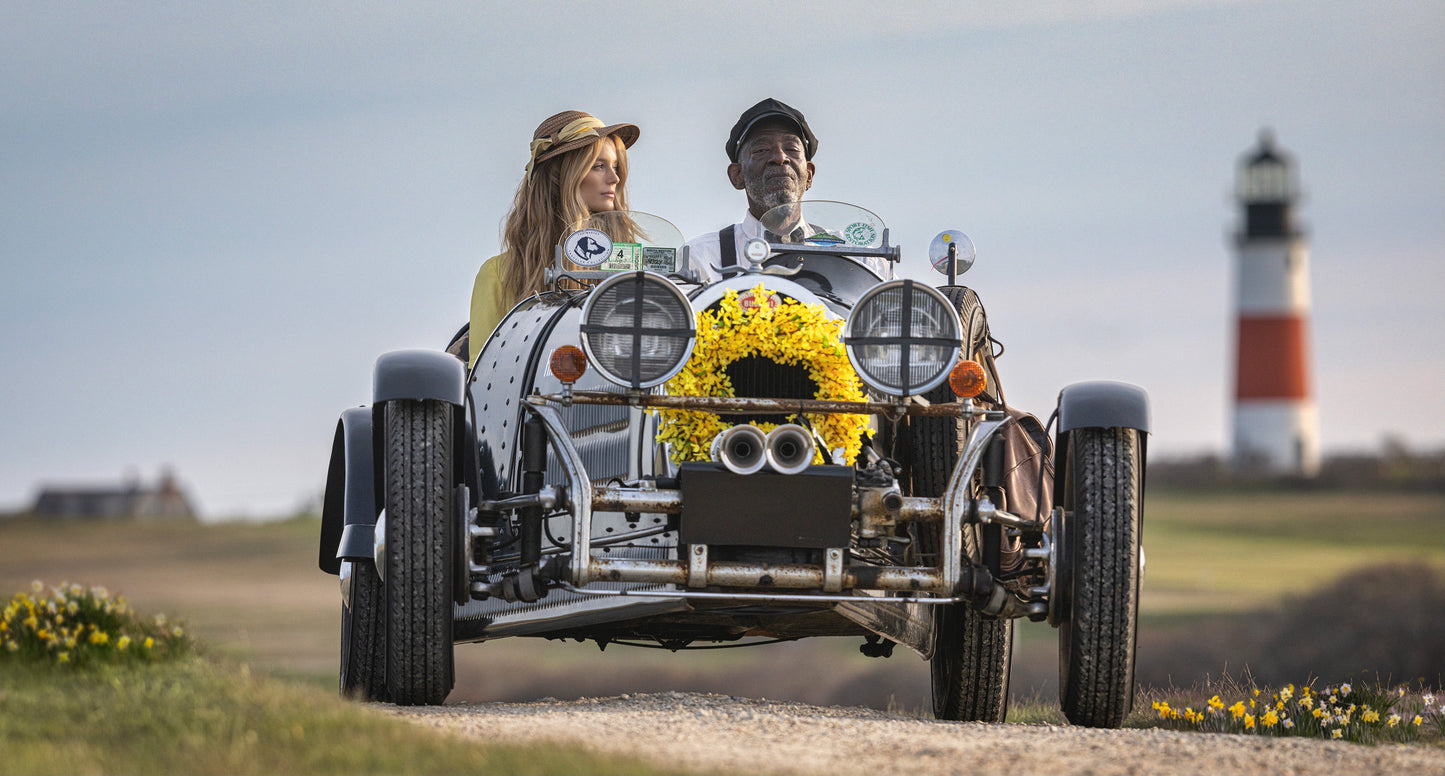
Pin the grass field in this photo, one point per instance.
(253, 592)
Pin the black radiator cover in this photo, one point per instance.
(811, 509)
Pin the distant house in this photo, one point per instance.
(130, 500)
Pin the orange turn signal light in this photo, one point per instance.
(967, 379)
(568, 363)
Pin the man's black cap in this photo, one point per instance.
(771, 109)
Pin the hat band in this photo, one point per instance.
(586, 126)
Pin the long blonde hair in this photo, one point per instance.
(548, 206)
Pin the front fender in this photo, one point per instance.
(1103, 404)
(349, 510)
(419, 375)
(1099, 404)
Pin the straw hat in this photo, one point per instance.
(572, 128)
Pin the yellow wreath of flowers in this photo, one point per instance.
(793, 333)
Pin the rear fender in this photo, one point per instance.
(349, 510)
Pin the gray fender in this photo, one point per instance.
(1103, 404)
(1099, 404)
(348, 514)
(420, 375)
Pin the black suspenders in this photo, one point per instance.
(727, 246)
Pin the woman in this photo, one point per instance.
(578, 168)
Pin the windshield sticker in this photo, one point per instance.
(861, 233)
(587, 247)
(625, 256)
(823, 238)
(659, 259)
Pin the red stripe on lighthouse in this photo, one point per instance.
(1271, 358)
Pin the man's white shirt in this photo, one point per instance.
(705, 251)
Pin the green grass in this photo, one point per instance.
(202, 715)
(1222, 552)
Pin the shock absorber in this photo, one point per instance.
(534, 470)
(994, 457)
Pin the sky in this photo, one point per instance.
(215, 216)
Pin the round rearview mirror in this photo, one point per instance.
(956, 244)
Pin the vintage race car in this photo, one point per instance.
(800, 448)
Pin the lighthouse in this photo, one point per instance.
(1276, 425)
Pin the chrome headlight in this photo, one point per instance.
(638, 329)
(903, 337)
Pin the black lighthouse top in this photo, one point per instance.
(1267, 188)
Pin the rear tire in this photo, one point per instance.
(1103, 497)
(419, 557)
(363, 635)
(972, 654)
(970, 666)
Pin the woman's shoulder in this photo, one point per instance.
(492, 268)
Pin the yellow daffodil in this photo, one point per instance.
(791, 333)
(122, 642)
(1369, 715)
(1393, 720)
(63, 657)
(149, 643)
(1270, 719)
(1417, 721)
(1249, 722)
(1337, 733)
(1287, 692)
(1238, 710)
(1216, 703)
(99, 637)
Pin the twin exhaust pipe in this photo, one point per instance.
(745, 449)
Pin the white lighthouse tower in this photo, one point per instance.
(1276, 425)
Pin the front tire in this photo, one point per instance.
(1103, 494)
(419, 543)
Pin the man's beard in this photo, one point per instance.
(770, 196)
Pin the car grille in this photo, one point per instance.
(762, 378)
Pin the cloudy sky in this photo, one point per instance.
(214, 216)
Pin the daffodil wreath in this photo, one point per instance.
(793, 333)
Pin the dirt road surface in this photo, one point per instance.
(725, 734)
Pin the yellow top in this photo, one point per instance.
(489, 304)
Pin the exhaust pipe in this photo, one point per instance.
(790, 448)
(743, 449)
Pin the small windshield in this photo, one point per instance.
(618, 241)
(824, 222)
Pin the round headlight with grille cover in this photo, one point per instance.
(903, 338)
(638, 329)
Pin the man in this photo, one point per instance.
(770, 153)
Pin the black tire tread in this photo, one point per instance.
(418, 576)
(1098, 640)
(363, 658)
(972, 654)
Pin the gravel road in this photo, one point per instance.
(719, 733)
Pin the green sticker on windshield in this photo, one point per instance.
(625, 256)
(861, 233)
